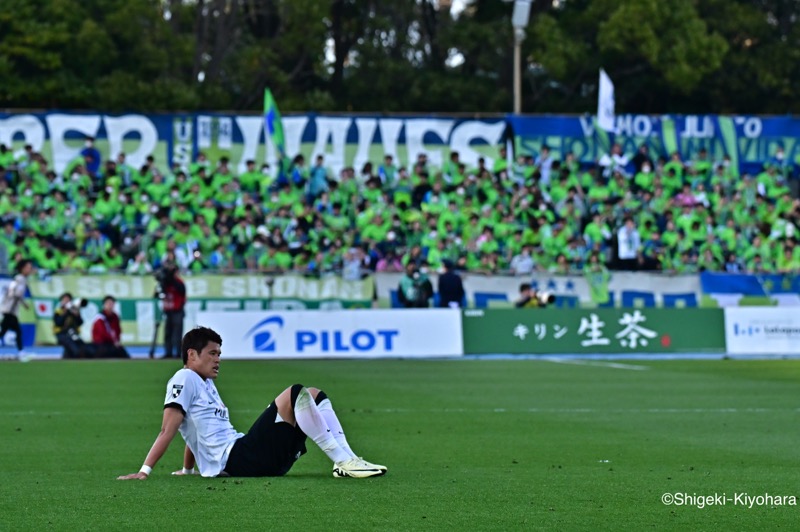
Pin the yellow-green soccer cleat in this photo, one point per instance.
(357, 468)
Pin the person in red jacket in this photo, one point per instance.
(172, 291)
(107, 333)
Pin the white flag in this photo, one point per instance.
(605, 103)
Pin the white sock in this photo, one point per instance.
(326, 408)
(311, 422)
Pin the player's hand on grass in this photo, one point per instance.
(133, 476)
(186, 472)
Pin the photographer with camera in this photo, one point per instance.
(67, 323)
(172, 291)
(415, 289)
(107, 332)
(531, 298)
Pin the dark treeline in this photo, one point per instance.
(694, 56)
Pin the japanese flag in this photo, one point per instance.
(43, 308)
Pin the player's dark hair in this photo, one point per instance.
(21, 264)
(197, 339)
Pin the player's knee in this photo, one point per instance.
(313, 391)
(321, 396)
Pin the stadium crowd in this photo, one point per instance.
(628, 211)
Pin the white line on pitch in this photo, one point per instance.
(578, 362)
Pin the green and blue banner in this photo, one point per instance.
(747, 140)
(352, 140)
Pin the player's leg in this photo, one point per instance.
(326, 409)
(298, 405)
(17, 328)
(168, 336)
(4, 327)
(174, 333)
(177, 335)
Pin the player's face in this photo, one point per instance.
(206, 362)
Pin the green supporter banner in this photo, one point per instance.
(138, 309)
(553, 331)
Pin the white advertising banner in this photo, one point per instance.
(761, 331)
(337, 334)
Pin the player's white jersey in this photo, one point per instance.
(206, 427)
(13, 294)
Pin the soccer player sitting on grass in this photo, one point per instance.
(277, 438)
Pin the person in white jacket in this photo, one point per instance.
(13, 298)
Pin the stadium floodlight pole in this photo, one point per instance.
(519, 21)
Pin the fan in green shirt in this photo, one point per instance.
(501, 163)
(766, 179)
(675, 164)
(670, 235)
(45, 224)
(453, 170)
(403, 189)
(372, 192)
(6, 156)
(597, 277)
(201, 163)
(557, 242)
(78, 164)
(445, 250)
(251, 179)
(559, 189)
(778, 189)
(618, 186)
(113, 260)
(684, 263)
(73, 262)
(757, 264)
(453, 215)
(702, 165)
(599, 192)
(672, 181)
(472, 229)
(157, 189)
(597, 231)
(106, 208)
(26, 197)
(727, 234)
(180, 213)
(388, 172)
(377, 230)
(645, 180)
(275, 261)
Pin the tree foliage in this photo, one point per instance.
(398, 56)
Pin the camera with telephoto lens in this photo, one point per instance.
(77, 303)
(163, 276)
(545, 298)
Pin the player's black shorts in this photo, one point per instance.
(269, 449)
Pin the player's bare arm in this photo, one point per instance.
(188, 464)
(173, 417)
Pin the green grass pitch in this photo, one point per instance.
(470, 445)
